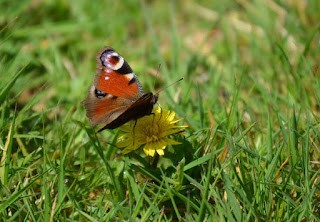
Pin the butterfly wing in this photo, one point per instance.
(115, 88)
(142, 107)
(114, 75)
(102, 107)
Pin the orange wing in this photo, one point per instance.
(104, 109)
(114, 75)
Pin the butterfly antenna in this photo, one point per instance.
(170, 85)
(157, 75)
(159, 66)
(158, 71)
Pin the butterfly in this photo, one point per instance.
(116, 95)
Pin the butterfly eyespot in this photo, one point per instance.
(115, 59)
(99, 94)
(111, 59)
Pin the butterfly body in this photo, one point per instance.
(116, 95)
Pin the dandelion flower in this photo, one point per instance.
(150, 131)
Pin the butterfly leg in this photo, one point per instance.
(160, 112)
(154, 115)
(152, 120)
(133, 131)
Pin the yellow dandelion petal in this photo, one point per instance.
(160, 152)
(175, 121)
(164, 113)
(150, 148)
(123, 143)
(171, 116)
(123, 136)
(160, 144)
(157, 110)
(142, 122)
(131, 147)
(125, 128)
(170, 132)
(149, 151)
(176, 127)
(171, 141)
(170, 128)
(126, 151)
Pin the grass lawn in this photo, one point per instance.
(249, 105)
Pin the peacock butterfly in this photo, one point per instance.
(116, 95)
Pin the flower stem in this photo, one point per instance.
(155, 161)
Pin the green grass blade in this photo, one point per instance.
(7, 86)
(6, 155)
(16, 195)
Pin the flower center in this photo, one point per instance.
(153, 133)
(152, 138)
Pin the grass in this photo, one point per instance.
(250, 98)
